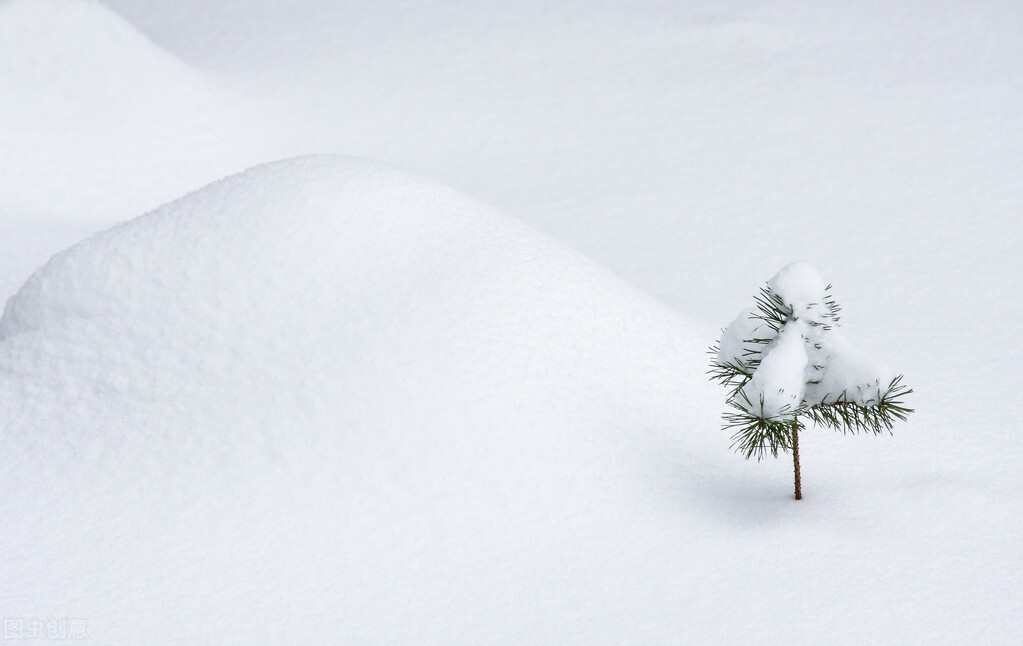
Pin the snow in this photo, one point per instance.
(849, 371)
(808, 361)
(358, 357)
(94, 112)
(803, 289)
(326, 401)
(732, 347)
(776, 389)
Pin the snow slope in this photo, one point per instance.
(674, 139)
(100, 124)
(323, 391)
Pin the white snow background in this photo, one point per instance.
(328, 401)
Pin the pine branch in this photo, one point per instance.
(772, 310)
(756, 434)
(851, 417)
(833, 308)
(732, 374)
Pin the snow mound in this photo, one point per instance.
(93, 115)
(79, 53)
(325, 389)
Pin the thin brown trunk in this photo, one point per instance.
(795, 458)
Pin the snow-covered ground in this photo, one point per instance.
(327, 401)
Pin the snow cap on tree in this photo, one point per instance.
(784, 361)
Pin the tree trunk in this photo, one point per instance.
(795, 458)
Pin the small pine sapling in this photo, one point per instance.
(785, 365)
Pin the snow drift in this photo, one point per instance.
(322, 390)
(94, 114)
(79, 53)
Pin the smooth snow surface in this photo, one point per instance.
(93, 112)
(325, 402)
